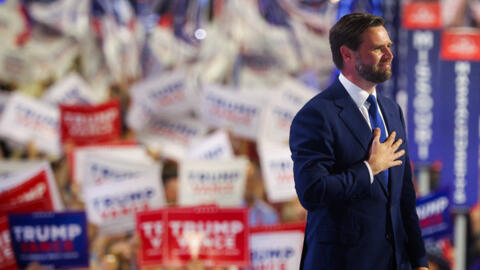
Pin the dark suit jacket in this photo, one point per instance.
(351, 223)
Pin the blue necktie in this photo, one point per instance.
(376, 122)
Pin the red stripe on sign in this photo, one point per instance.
(422, 15)
(461, 44)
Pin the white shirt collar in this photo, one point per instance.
(358, 95)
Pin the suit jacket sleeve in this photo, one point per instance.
(320, 178)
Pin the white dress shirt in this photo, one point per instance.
(360, 96)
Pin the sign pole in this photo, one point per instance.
(460, 240)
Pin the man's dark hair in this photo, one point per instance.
(347, 31)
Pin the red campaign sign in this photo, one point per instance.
(175, 236)
(461, 45)
(217, 236)
(7, 258)
(152, 234)
(422, 15)
(34, 189)
(84, 124)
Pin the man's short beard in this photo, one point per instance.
(369, 73)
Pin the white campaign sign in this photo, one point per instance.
(238, 111)
(171, 137)
(277, 170)
(214, 146)
(130, 153)
(105, 169)
(282, 107)
(276, 250)
(15, 173)
(221, 182)
(113, 206)
(71, 90)
(27, 120)
(164, 95)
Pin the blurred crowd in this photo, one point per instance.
(114, 46)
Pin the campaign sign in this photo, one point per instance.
(28, 180)
(15, 173)
(214, 146)
(217, 236)
(423, 124)
(460, 118)
(113, 206)
(106, 169)
(128, 151)
(150, 227)
(280, 110)
(51, 239)
(171, 137)
(7, 258)
(35, 188)
(276, 247)
(434, 215)
(238, 111)
(221, 182)
(277, 170)
(27, 120)
(167, 94)
(72, 90)
(89, 124)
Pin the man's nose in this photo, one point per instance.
(387, 53)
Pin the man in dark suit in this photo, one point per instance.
(352, 172)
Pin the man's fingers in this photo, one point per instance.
(397, 144)
(376, 134)
(398, 154)
(396, 163)
(391, 138)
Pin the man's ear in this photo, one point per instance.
(347, 54)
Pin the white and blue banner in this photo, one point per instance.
(57, 240)
(434, 215)
(422, 84)
(423, 46)
(458, 134)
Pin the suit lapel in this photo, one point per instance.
(353, 118)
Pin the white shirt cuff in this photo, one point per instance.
(369, 171)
